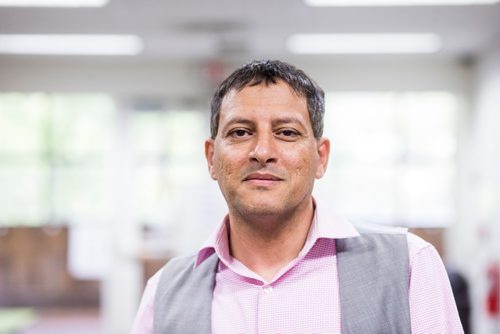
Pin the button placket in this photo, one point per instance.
(266, 307)
(267, 288)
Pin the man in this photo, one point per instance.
(278, 262)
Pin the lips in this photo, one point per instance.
(264, 177)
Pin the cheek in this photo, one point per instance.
(225, 168)
(305, 168)
(305, 163)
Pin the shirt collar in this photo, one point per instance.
(325, 224)
(216, 243)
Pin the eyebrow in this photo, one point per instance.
(238, 120)
(287, 120)
(276, 122)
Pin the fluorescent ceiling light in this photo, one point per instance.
(356, 3)
(363, 43)
(53, 3)
(106, 45)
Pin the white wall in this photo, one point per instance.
(474, 242)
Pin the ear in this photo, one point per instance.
(209, 155)
(323, 150)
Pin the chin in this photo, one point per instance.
(259, 208)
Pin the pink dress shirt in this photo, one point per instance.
(304, 296)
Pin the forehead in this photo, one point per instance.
(262, 97)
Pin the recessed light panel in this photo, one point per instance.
(363, 43)
(53, 3)
(396, 3)
(112, 45)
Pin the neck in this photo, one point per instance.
(267, 244)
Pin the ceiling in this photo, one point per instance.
(225, 29)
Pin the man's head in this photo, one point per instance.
(269, 72)
(265, 152)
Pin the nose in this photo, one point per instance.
(263, 150)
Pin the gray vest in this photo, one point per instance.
(373, 272)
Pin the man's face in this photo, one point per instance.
(265, 157)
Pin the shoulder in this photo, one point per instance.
(418, 247)
(375, 239)
(181, 270)
(180, 262)
(390, 239)
(174, 265)
(177, 268)
(414, 242)
(368, 228)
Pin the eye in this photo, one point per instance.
(288, 134)
(239, 133)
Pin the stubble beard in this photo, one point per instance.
(261, 217)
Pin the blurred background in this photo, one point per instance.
(104, 108)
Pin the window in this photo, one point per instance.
(393, 156)
(53, 157)
(169, 160)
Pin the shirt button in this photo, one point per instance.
(267, 288)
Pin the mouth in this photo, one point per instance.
(262, 179)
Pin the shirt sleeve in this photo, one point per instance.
(143, 323)
(432, 306)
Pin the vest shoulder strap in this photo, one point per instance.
(183, 301)
(373, 272)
